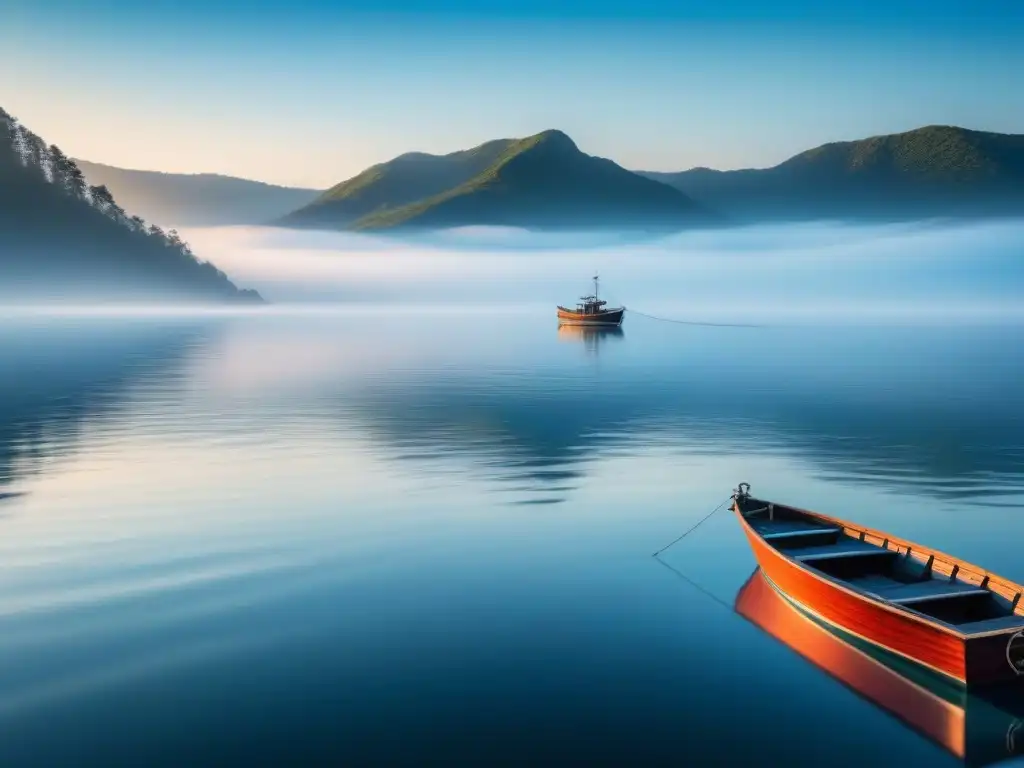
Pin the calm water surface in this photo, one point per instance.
(387, 537)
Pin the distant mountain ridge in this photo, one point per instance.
(201, 199)
(62, 239)
(932, 171)
(544, 181)
(541, 181)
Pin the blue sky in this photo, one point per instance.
(310, 92)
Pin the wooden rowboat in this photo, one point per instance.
(978, 728)
(947, 615)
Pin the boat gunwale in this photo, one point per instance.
(884, 543)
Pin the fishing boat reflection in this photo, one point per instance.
(979, 728)
(592, 336)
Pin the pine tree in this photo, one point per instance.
(6, 133)
(40, 155)
(21, 142)
(76, 180)
(101, 198)
(59, 162)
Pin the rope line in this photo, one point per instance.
(675, 321)
(691, 322)
(693, 528)
(697, 586)
(682, 575)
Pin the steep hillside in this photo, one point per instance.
(61, 239)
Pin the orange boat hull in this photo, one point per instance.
(608, 317)
(965, 658)
(860, 616)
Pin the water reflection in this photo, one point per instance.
(882, 408)
(979, 729)
(64, 373)
(591, 336)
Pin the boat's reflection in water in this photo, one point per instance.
(592, 336)
(980, 728)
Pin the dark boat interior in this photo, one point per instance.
(901, 578)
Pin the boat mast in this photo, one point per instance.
(595, 287)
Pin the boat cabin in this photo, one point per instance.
(589, 305)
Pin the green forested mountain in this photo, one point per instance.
(61, 238)
(542, 181)
(929, 172)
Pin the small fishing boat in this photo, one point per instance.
(940, 612)
(979, 728)
(590, 310)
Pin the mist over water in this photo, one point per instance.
(925, 270)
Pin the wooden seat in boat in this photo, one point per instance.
(954, 594)
(1014, 621)
(783, 531)
(818, 531)
(845, 547)
(921, 591)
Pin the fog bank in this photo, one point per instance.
(933, 269)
